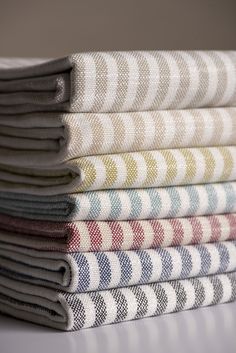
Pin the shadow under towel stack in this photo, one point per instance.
(117, 185)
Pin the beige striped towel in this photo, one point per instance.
(124, 171)
(52, 138)
(119, 81)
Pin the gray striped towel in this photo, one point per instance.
(119, 81)
(75, 311)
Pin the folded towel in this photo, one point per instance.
(86, 236)
(42, 139)
(123, 171)
(194, 200)
(76, 311)
(83, 272)
(119, 81)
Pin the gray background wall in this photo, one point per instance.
(56, 27)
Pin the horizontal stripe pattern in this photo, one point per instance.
(91, 236)
(152, 203)
(84, 272)
(137, 81)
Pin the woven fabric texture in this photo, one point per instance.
(152, 203)
(121, 81)
(87, 236)
(124, 171)
(52, 138)
(84, 310)
(82, 272)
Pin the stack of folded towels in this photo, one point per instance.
(117, 185)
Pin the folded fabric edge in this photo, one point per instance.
(74, 312)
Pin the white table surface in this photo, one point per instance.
(211, 329)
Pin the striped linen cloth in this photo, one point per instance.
(51, 138)
(69, 312)
(130, 204)
(123, 171)
(119, 81)
(82, 272)
(91, 236)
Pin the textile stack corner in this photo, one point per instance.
(117, 185)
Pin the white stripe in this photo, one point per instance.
(172, 297)
(112, 81)
(232, 256)
(94, 275)
(85, 239)
(227, 289)
(107, 126)
(89, 310)
(130, 132)
(188, 231)
(136, 268)
(148, 235)
(125, 205)
(181, 166)
(208, 291)
(105, 232)
(200, 164)
(121, 177)
(146, 205)
(115, 269)
(168, 229)
(153, 85)
(228, 132)
(212, 78)
(152, 300)
(105, 206)
(190, 298)
(220, 166)
(206, 229)
(161, 168)
(149, 130)
(208, 126)
(231, 78)
(89, 82)
(165, 202)
(184, 202)
(194, 80)
(111, 304)
(128, 235)
(170, 128)
(156, 265)
(132, 303)
(224, 227)
(196, 261)
(133, 81)
(215, 258)
(142, 170)
(177, 263)
(190, 128)
(174, 80)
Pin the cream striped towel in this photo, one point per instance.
(67, 311)
(181, 201)
(123, 171)
(51, 138)
(82, 272)
(119, 81)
